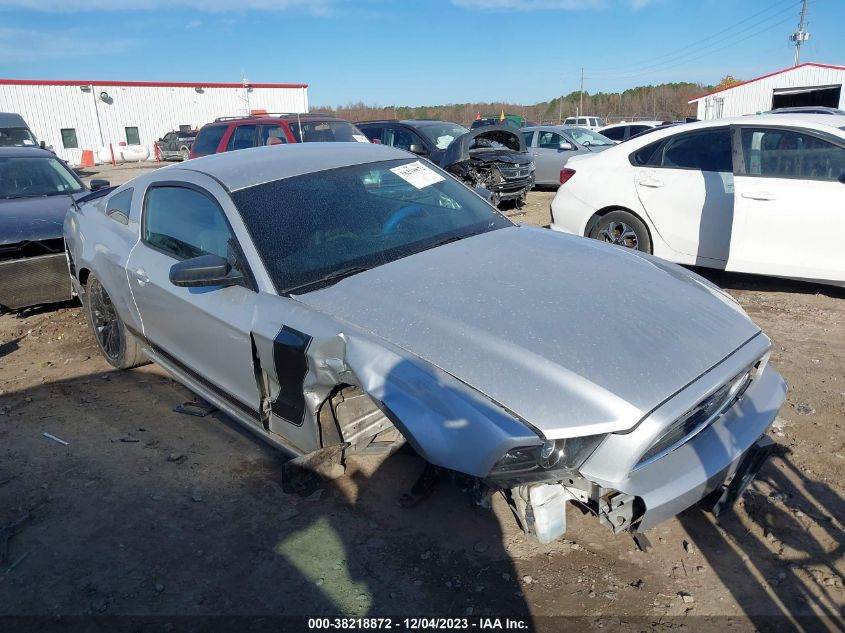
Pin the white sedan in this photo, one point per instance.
(757, 194)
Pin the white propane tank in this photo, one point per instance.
(123, 153)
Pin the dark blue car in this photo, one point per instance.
(36, 189)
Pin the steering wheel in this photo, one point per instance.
(400, 215)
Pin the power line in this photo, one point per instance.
(705, 43)
(687, 59)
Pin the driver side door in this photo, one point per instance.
(549, 158)
(202, 332)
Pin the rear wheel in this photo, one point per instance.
(117, 345)
(185, 153)
(623, 229)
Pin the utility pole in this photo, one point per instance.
(581, 93)
(800, 35)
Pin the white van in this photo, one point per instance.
(589, 122)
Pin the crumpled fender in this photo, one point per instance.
(448, 423)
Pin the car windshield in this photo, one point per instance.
(35, 176)
(588, 137)
(315, 131)
(16, 137)
(319, 225)
(442, 134)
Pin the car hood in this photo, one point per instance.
(33, 219)
(573, 336)
(459, 150)
(596, 149)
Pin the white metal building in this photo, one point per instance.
(803, 85)
(72, 116)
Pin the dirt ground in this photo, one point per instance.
(146, 512)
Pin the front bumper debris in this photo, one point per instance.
(715, 467)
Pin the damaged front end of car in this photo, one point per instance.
(674, 458)
(494, 158)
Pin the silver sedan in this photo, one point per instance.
(346, 299)
(552, 146)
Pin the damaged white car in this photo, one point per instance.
(344, 299)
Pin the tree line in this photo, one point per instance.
(663, 102)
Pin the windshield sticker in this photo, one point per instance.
(417, 174)
(26, 141)
(360, 138)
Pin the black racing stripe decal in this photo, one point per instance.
(291, 365)
(217, 391)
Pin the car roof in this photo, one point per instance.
(25, 152)
(259, 118)
(554, 128)
(11, 119)
(649, 122)
(408, 122)
(254, 166)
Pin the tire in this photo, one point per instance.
(624, 229)
(118, 346)
(185, 154)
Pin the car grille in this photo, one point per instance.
(701, 416)
(33, 280)
(512, 171)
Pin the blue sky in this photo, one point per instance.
(413, 52)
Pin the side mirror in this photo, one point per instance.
(564, 146)
(202, 271)
(42, 144)
(98, 183)
(418, 149)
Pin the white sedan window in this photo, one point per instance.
(779, 153)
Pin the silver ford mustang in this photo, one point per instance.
(345, 299)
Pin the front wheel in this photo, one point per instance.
(623, 229)
(117, 345)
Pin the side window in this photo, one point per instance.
(528, 136)
(401, 138)
(582, 121)
(648, 156)
(373, 133)
(271, 135)
(549, 140)
(185, 223)
(243, 137)
(707, 150)
(614, 133)
(635, 129)
(208, 139)
(120, 204)
(777, 153)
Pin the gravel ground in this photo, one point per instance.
(146, 512)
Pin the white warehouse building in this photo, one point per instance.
(72, 116)
(803, 85)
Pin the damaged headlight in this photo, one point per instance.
(543, 459)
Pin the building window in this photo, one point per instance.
(69, 138)
(132, 136)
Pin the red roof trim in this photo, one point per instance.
(144, 84)
(777, 72)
